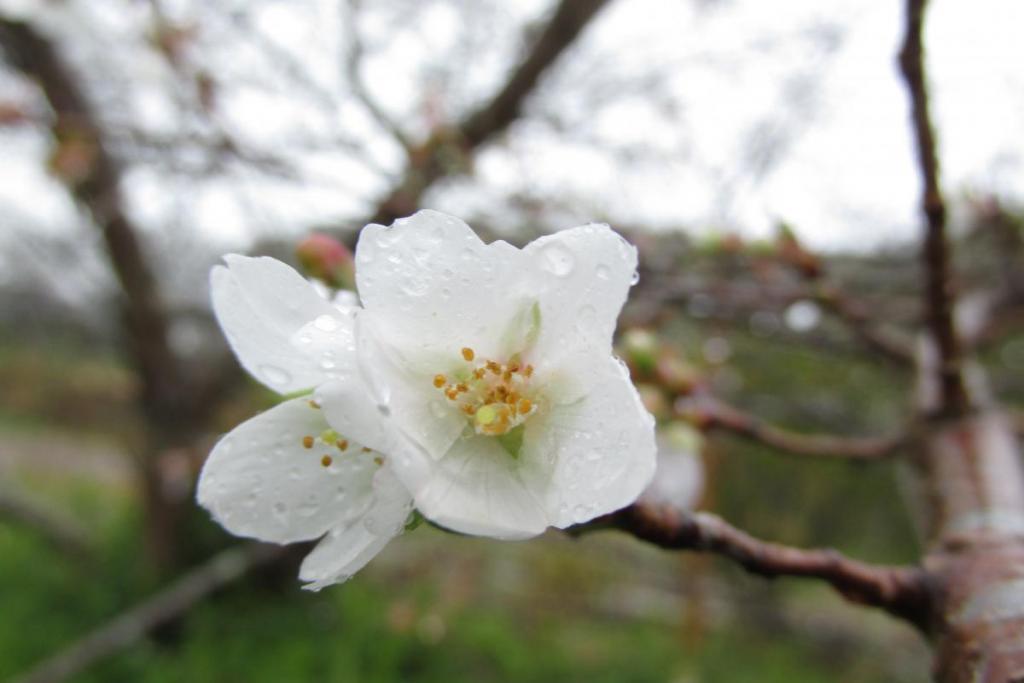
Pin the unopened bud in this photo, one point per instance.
(325, 258)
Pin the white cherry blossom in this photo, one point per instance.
(490, 376)
(474, 380)
(286, 475)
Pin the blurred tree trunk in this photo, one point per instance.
(82, 160)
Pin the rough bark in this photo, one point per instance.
(967, 461)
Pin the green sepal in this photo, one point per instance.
(512, 440)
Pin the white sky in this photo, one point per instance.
(844, 173)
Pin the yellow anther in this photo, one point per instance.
(528, 371)
(307, 441)
(451, 393)
(494, 367)
(366, 450)
(379, 460)
(439, 381)
(467, 353)
(524, 405)
(468, 408)
(313, 404)
(479, 373)
(461, 387)
(512, 398)
(343, 445)
(326, 461)
(507, 376)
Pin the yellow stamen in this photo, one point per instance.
(343, 445)
(326, 461)
(307, 441)
(525, 405)
(467, 353)
(439, 381)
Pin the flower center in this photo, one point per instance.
(494, 396)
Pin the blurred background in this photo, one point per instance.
(761, 159)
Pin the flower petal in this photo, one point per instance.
(594, 455)
(262, 482)
(581, 278)
(476, 489)
(432, 285)
(285, 338)
(347, 548)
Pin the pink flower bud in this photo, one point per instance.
(325, 258)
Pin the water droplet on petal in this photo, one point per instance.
(634, 278)
(327, 323)
(557, 260)
(308, 507)
(274, 374)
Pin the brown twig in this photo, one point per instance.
(861, 324)
(172, 602)
(711, 414)
(353, 68)
(901, 591)
(428, 161)
(935, 255)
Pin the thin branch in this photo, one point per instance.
(712, 414)
(172, 602)
(935, 255)
(59, 531)
(431, 161)
(862, 325)
(353, 69)
(901, 591)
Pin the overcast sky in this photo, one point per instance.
(805, 92)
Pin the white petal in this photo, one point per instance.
(347, 549)
(288, 343)
(476, 489)
(286, 299)
(581, 278)
(261, 481)
(435, 286)
(594, 455)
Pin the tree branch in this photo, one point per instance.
(902, 591)
(935, 255)
(353, 64)
(711, 414)
(172, 602)
(860, 323)
(431, 161)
